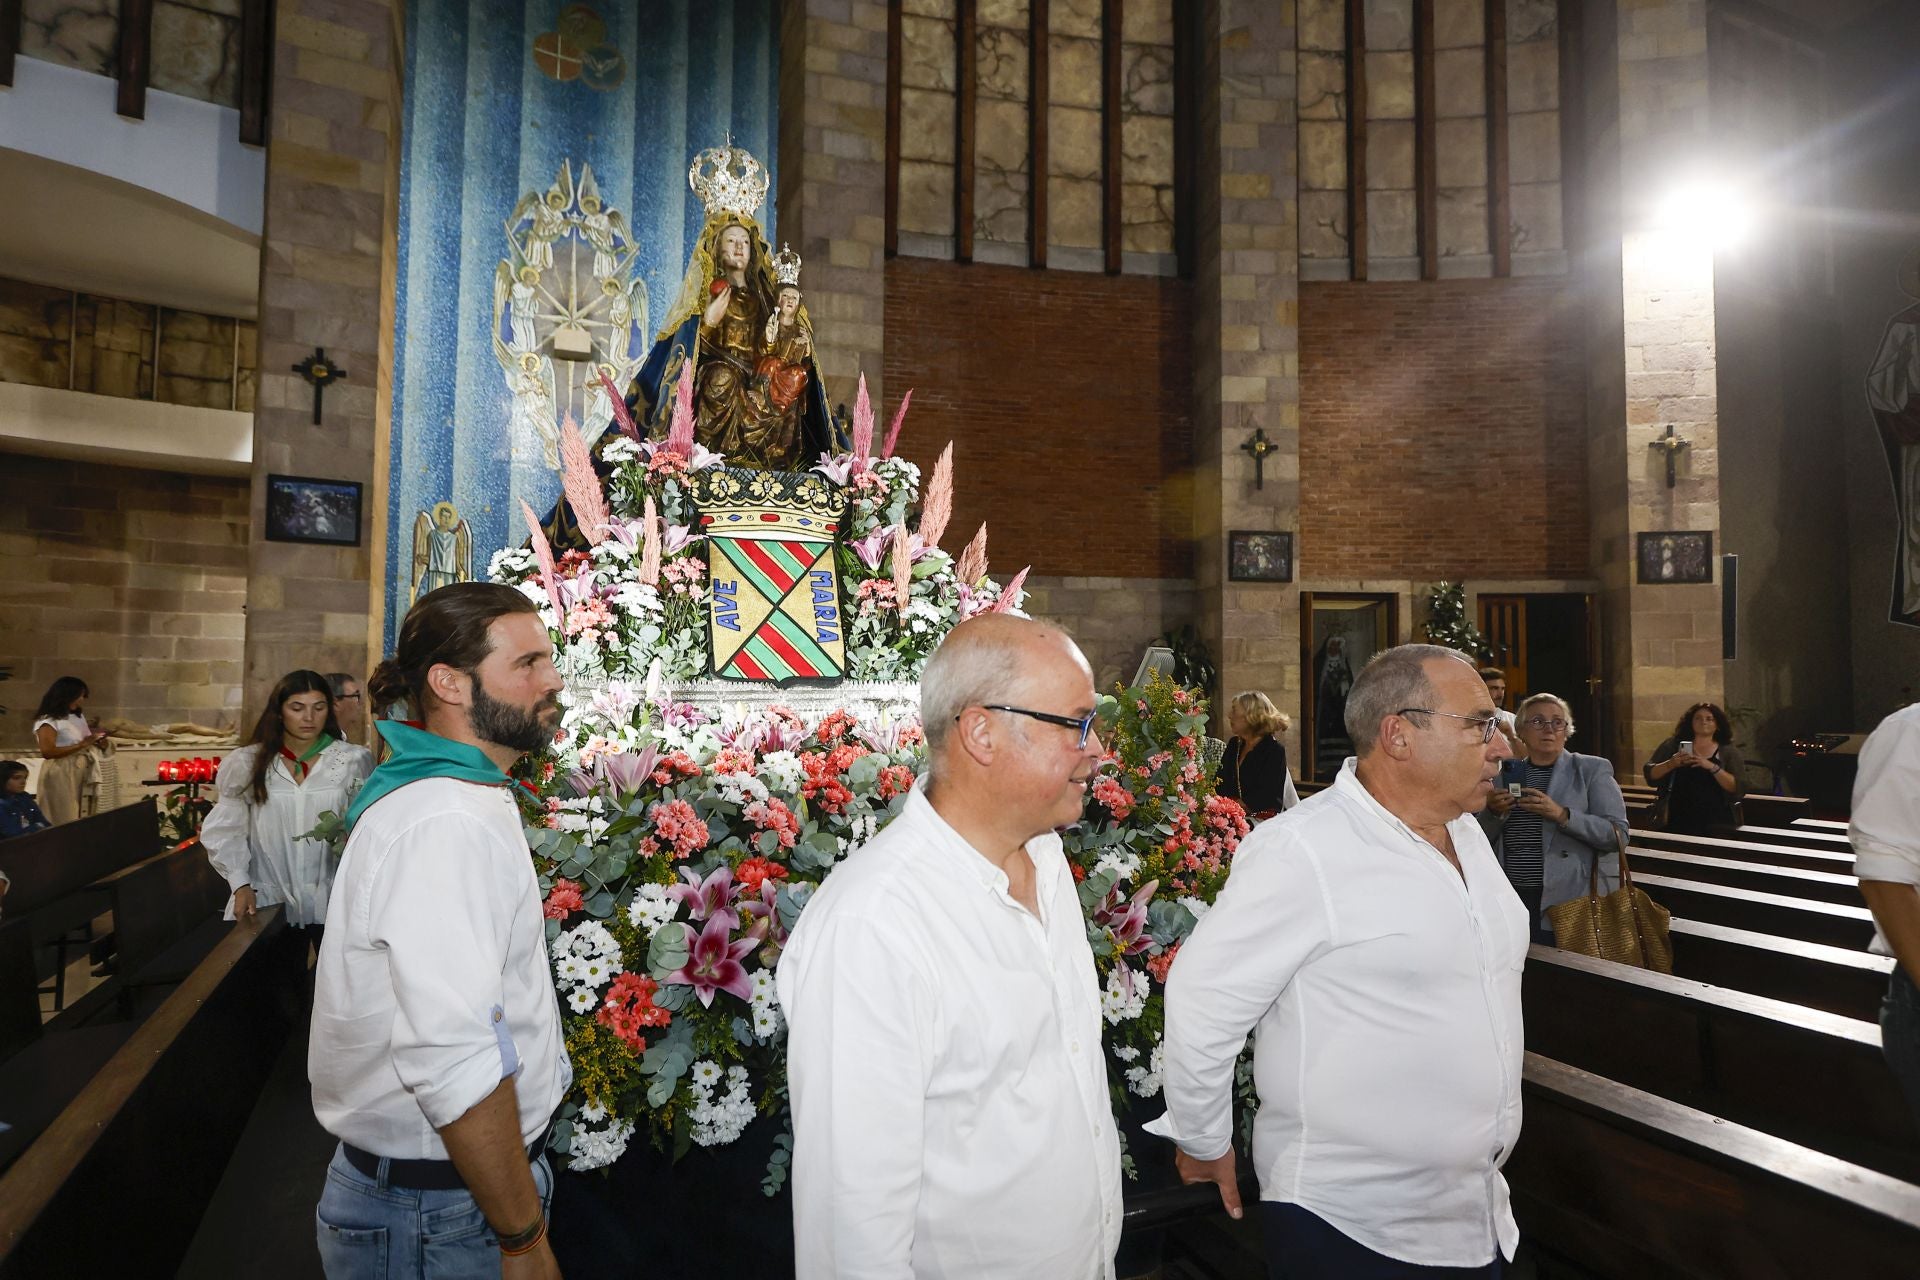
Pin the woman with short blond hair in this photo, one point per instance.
(1254, 768)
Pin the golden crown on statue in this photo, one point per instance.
(728, 180)
(786, 267)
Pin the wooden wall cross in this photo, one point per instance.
(1259, 446)
(321, 372)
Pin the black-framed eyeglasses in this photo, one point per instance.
(1486, 724)
(1085, 724)
(1557, 725)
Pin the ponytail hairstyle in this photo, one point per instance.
(57, 703)
(270, 734)
(447, 626)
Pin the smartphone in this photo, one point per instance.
(1516, 790)
(1687, 746)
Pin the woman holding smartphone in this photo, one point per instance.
(1555, 816)
(66, 743)
(1698, 773)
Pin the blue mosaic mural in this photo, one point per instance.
(506, 98)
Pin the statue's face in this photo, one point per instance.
(735, 249)
(446, 518)
(789, 304)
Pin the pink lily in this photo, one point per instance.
(1125, 919)
(872, 549)
(707, 899)
(627, 771)
(713, 961)
(835, 467)
(763, 922)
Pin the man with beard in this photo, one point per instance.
(950, 1106)
(436, 1054)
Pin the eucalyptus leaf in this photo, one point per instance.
(667, 950)
(600, 905)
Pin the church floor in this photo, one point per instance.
(260, 1220)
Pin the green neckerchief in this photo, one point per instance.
(301, 765)
(415, 755)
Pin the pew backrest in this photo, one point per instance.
(160, 900)
(49, 865)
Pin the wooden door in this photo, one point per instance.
(1503, 621)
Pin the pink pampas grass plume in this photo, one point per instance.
(584, 495)
(1005, 603)
(938, 507)
(543, 552)
(621, 417)
(972, 565)
(902, 565)
(652, 533)
(899, 420)
(680, 434)
(862, 445)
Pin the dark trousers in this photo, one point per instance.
(1900, 1035)
(1301, 1245)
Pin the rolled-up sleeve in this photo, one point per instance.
(226, 832)
(444, 923)
(860, 1052)
(1269, 920)
(1885, 829)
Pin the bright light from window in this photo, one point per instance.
(1707, 213)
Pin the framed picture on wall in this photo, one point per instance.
(1675, 556)
(1339, 632)
(305, 509)
(1259, 557)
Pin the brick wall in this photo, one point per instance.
(1066, 396)
(1442, 430)
(133, 580)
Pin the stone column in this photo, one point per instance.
(1246, 338)
(1652, 351)
(833, 142)
(326, 280)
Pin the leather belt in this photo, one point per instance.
(420, 1175)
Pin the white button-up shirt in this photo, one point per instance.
(433, 984)
(1885, 828)
(950, 1105)
(1387, 996)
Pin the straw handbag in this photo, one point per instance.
(1625, 925)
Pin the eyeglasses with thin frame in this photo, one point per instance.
(1085, 724)
(1555, 725)
(1486, 724)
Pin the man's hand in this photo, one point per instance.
(244, 903)
(1217, 1171)
(538, 1264)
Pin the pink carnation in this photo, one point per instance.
(564, 899)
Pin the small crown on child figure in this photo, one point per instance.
(728, 180)
(786, 267)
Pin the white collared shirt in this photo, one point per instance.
(1386, 992)
(264, 844)
(1885, 827)
(950, 1105)
(433, 984)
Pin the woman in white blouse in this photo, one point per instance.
(66, 743)
(272, 793)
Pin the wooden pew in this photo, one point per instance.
(19, 983)
(1761, 809)
(1788, 917)
(1811, 1077)
(1837, 861)
(157, 904)
(1796, 882)
(1828, 825)
(1837, 979)
(1623, 1183)
(54, 874)
(151, 1133)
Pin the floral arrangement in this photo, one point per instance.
(633, 605)
(677, 850)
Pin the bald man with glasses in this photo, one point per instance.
(950, 1107)
(1370, 936)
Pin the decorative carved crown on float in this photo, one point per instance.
(728, 180)
(786, 267)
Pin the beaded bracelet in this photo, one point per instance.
(524, 1240)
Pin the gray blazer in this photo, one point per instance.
(1585, 787)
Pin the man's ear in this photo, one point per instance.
(449, 685)
(974, 735)
(1393, 738)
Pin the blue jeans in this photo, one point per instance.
(1900, 1036)
(1301, 1245)
(369, 1230)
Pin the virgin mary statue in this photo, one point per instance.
(719, 323)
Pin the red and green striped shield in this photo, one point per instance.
(774, 593)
